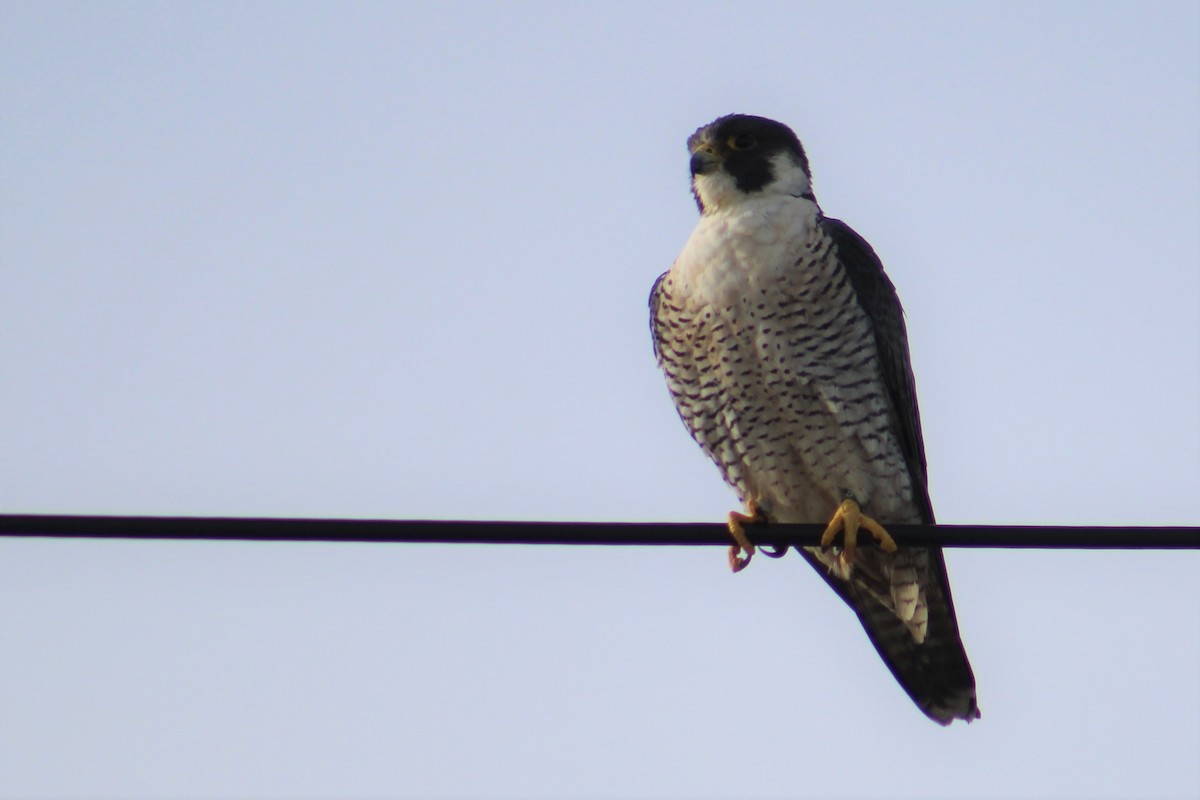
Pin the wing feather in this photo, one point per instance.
(926, 656)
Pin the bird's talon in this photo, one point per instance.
(880, 534)
(736, 562)
(848, 519)
(737, 521)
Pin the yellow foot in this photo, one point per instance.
(849, 518)
(737, 563)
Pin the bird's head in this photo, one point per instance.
(739, 156)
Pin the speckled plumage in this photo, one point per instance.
(784, 348)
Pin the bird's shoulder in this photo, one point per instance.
(863, 268)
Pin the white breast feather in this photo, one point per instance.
(739, 247)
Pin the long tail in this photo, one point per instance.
(935, 672)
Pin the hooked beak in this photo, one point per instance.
(704, 160)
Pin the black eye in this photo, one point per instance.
(742, 141)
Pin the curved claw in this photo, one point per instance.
(776, 551)
(737, 523)
(738, 562)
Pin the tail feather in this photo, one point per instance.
(925, 655)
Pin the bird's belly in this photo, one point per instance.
(808, 458)
(802, 418)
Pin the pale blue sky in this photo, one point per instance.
(392, 260)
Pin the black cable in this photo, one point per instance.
(577, 533)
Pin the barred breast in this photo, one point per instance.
(773, 367)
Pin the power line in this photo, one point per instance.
(577, 533)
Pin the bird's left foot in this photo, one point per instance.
(848, 519)
(738, 562)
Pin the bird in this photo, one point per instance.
(785, 351)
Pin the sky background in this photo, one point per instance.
(392, 259)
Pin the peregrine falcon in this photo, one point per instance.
(784, 349)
